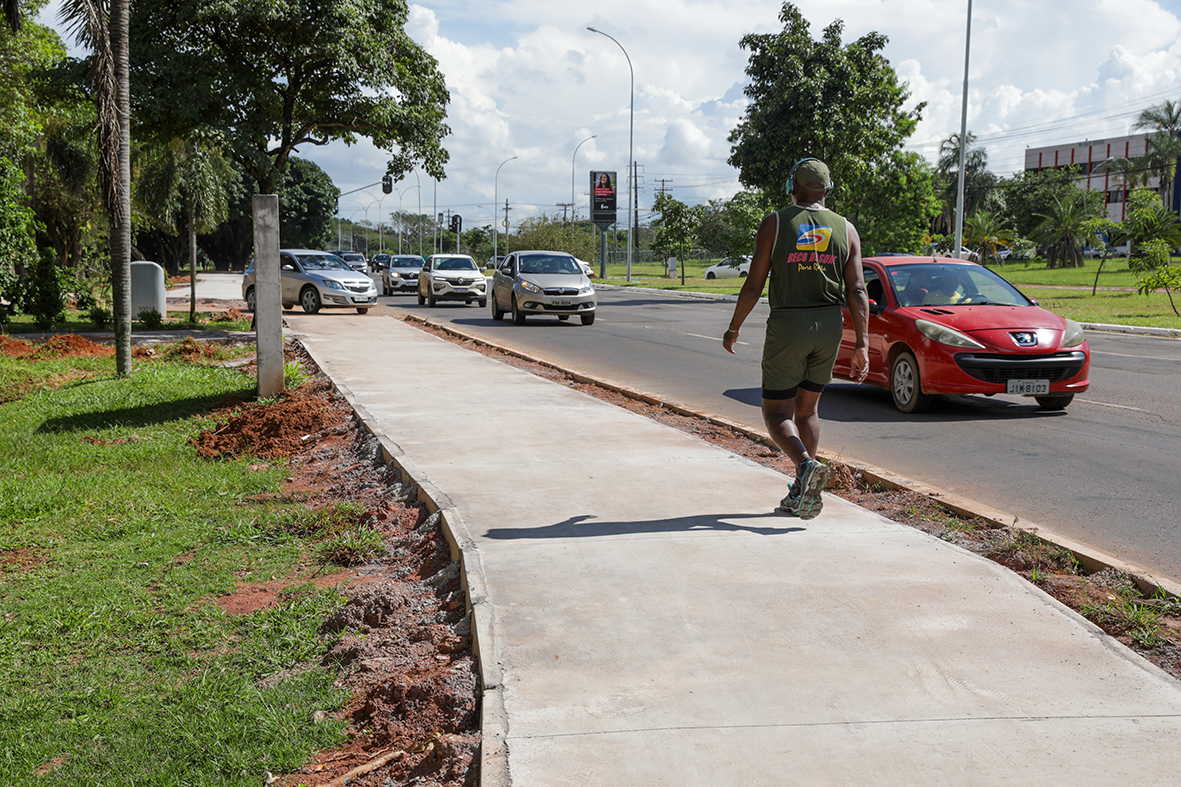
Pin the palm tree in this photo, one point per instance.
(978, 181)
(1063, 230)
(106, 36)
(984, 232)
(12, 14)
(1165, 120)
(183, 187)
(1161, 160)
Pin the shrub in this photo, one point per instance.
(151, 319)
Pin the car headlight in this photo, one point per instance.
(333, 285)
(944, 335)
(395, 275)
(586, 289)
(529, 286)
(1073, 336)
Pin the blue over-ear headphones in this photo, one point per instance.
(791, 177)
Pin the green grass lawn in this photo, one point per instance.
(76, 322)
(118, 667)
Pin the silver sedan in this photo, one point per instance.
(542, 282)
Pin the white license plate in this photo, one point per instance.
(460, 289)
(560, 302)
(1028, 387)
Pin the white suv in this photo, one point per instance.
(452, 277)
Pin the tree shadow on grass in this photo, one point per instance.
(144, 415)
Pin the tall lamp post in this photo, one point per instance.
(959, 197)
(366, 207)
(572, 160)
(630, 139)
(496, 203)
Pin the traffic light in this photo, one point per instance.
(387, 184)
(457, 223)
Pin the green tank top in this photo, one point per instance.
(808, 263)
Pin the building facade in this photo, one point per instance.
(1090, 154)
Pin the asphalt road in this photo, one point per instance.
(1104, 472)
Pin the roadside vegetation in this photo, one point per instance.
(118, 540)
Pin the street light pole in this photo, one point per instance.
(366, 207)
(630, 150)
(959, 198)
(402, 192)
(495, 202)
(572, 160)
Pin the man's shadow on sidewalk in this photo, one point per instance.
(582, 527)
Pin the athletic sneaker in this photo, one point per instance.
(812, 478)
(790, 505)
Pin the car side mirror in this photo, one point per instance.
(287, 266)
(875, 307)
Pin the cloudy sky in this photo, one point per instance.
(527, 79)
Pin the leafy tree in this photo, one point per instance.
(1128, 174)
(1029, 195)
(273, 76)
(984, 233)
(839, 103)
(18, 250)
(183, 189)
(1146, 219)
(552, 234)
(728, 227)
(677, 227)
(1062, 229)
(1155, 271)
(1101, 230)
(894, 205)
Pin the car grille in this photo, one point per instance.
(358, 287)
(562, 291)
(463, 282)
(999, 369)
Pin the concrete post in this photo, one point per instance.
(268, 308)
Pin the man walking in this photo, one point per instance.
(813, 257)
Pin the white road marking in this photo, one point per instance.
(1125, 355)
(714, 338)
(1109, 404)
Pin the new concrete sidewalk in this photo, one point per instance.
(645, 618)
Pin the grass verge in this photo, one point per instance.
(119, 666)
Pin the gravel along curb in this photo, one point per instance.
(493, 717)
(1091, 559)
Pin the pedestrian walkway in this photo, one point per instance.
(644, 617)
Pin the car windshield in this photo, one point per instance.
(549, 263)
(406, 262)
(321, 262)
(456, 264)
(943, 284)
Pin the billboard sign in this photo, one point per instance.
(603, 187)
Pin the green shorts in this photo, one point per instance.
(801, 347)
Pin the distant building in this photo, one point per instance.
(1088, 155)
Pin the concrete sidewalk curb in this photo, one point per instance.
(1091, 559)
(493, 717)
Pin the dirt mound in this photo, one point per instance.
(279, 429)
(60, 346)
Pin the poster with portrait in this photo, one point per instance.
(603, 187)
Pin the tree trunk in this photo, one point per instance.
(192, 268)
(121, 225)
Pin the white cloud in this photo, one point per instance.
(528, 80)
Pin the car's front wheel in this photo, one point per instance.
(430, 301)
(906, 385)
(1057, 402)
(518, 315)
(250, 299)
(497, 313)
(483, 302)
(362, 310)
(710, 275)
(309, 299)
(587, 319)
(421, 298)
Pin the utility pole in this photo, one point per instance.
(506, 210)
(633, 240)
(663, 188)
(563, 206)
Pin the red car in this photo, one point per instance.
(944, 326)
